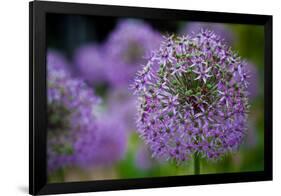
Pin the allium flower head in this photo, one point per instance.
(221, 30)
(70, 114)
(122, 103)
(108, 147)
(91, 63)
(192, 98)
(126, 48)
(113, 140)
(56, 59)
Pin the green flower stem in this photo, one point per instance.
(196, 164)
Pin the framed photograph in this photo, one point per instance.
(131, 97)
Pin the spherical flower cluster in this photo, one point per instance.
(221, 30)
(126, 48)
(90, 62)
(122, 103)
(70, 114)
(113, 140)
(109, 146)
(192, 98)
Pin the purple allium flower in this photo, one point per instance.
(122, 103)
(108, 147)
(219, 28)
(70, 113)
(126, 48)
(57, 59)
(192, 103)
(91, 63)
(112, 143)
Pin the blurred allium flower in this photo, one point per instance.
(112, 144)
(70, 114)
(90, 62)
(126, 48)
(122, 103)
(192, 98)
(57, 59)
(221, 30)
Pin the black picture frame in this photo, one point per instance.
(38, 97)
